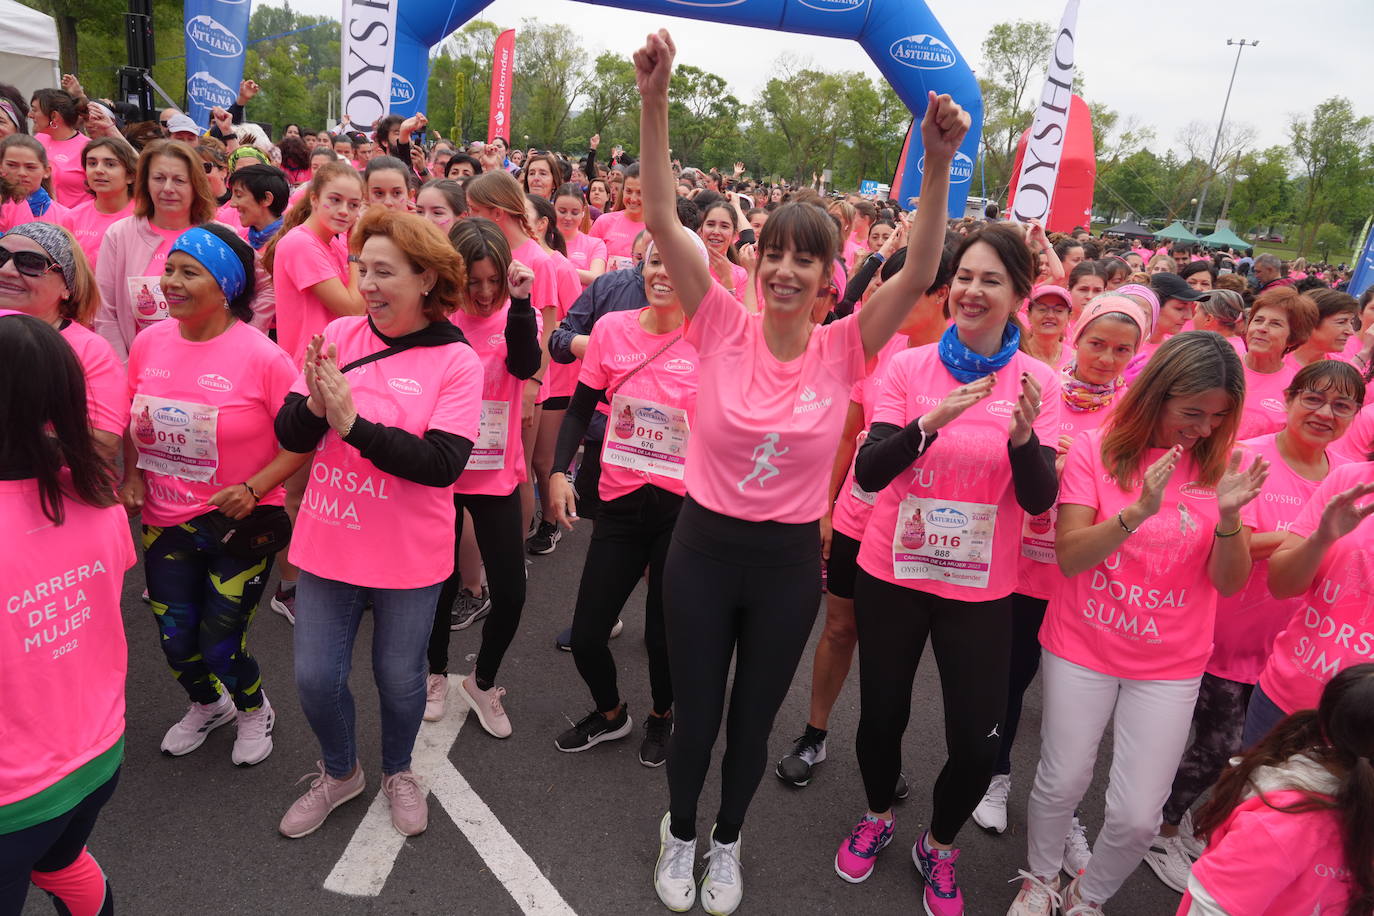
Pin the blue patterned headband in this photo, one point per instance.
(216, 256)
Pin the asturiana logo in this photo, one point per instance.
(208, 91)
(960, 169)
(923, 52)
(945, 517)
(834, 6)
(215, 382)
(402, 90)
(652, 415)
(1198, 490)
(172, 416)
(212, 37)
(680, 366)
(1001, 408)
(405, 385)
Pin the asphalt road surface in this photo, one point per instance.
(515, 826)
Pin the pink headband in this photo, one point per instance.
(1111, 303)
(1144, 292)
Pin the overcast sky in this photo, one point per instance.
(1164, 62)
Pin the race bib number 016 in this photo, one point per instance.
(944, 539)
(646, 437)
(176, 438)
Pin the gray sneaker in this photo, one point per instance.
(470, 608)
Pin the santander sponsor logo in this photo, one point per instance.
(406, 385)
(215, 382)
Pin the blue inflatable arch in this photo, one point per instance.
(902, 37)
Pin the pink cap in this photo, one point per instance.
(1048, 289)
(1108, 303)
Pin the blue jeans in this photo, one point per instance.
(1260, 717)
(327, 617)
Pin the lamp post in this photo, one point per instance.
(1202, 200)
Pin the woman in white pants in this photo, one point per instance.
(1150, 531)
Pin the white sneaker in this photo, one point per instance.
(619, 626)
(1077, 852)
(723, 885)
(199, 721)
(1168, 860)
(436, 697)
(1191, 844)
(491, 715)
(991, 813)
(1037, 897)
(673, 874)
(1075, 905)
(253, 742)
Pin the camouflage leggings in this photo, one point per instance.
(1218, 720)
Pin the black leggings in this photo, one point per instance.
(1027, 614)
(496, 521)
(632, 532)
(48, 847)
(750, 590)
(972, 643)
(1218, 724)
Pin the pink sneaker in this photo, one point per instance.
(487, 705)
(858, 853)
(942, 896)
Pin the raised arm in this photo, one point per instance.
(691, 276)
(942, 130)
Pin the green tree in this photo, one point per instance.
(460, 80)
(1014, 56)
(1331, 147)
(551, 74)
(1328, 238)
(1263, 191)
(610, 95)
(705, 118)
(803, 108)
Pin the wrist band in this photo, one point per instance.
(536, 379)
(879, 256)
(343, 434)
(251, 492)
(1227, 534)
(1121, 520)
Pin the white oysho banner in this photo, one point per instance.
(1045, 146)
(369, 45)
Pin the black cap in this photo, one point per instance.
(1172, 286)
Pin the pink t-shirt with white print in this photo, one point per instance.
(766, 429)
(107, 395)
(1146, 612)
(301, 261)
(1248, 620)
(853, 506)
(1333, 626)
(583, 249)
(618, 346)
(1264, 410)
(1039, 575)
(241, 376)
(1262, 861)
(488, 339)
(560, 379)
(618, 231)
(1355, 444)
(63, 657)
(68, 171)
(89, 226)
(357, 523)
(963, 480)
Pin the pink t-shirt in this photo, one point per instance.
(68, 171)
(739, 280)
(1266, 862)
(1264, 410)
(107, 396)
(302, 260)
(63, 657)
(560, 379)
(618, 231)
(956, 506)
(853, 505)
(1039, 575)
(851, 248)
(1146, 611)
(766, 429)
(229, 216)
(1355, 444)
(89, 226)
(545, 292)
(357, 523)
(583, 249)
(488, 339)
(240, 378)
(1248, 620)
(618, 346)
(1333, 626)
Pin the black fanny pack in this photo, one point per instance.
(265, 531)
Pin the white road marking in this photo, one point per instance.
(363, 868)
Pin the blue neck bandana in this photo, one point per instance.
(215, 256)
(259, 237)
(967, 366)
(39, 202)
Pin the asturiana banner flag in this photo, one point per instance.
(216, 37)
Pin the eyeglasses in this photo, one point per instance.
(1341, 408)
(1059, 311)
(29, 263)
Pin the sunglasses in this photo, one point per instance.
(29, 263)
(209, 167)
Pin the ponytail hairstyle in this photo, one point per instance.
(66, 106)
(498, 190)
(1188, 363)
(301, 210)
(543, 209)
(572, 189)
(43, 413)
(1339, 735)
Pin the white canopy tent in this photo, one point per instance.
(28, 48)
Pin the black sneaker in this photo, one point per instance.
(592, 730)
(902, 790)
(544, 539)
(807, 752)
(653, 750)
(469, 608)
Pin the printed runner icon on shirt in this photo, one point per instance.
(150, 305)
(763, 467)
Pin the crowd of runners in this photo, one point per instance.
(387, 368)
